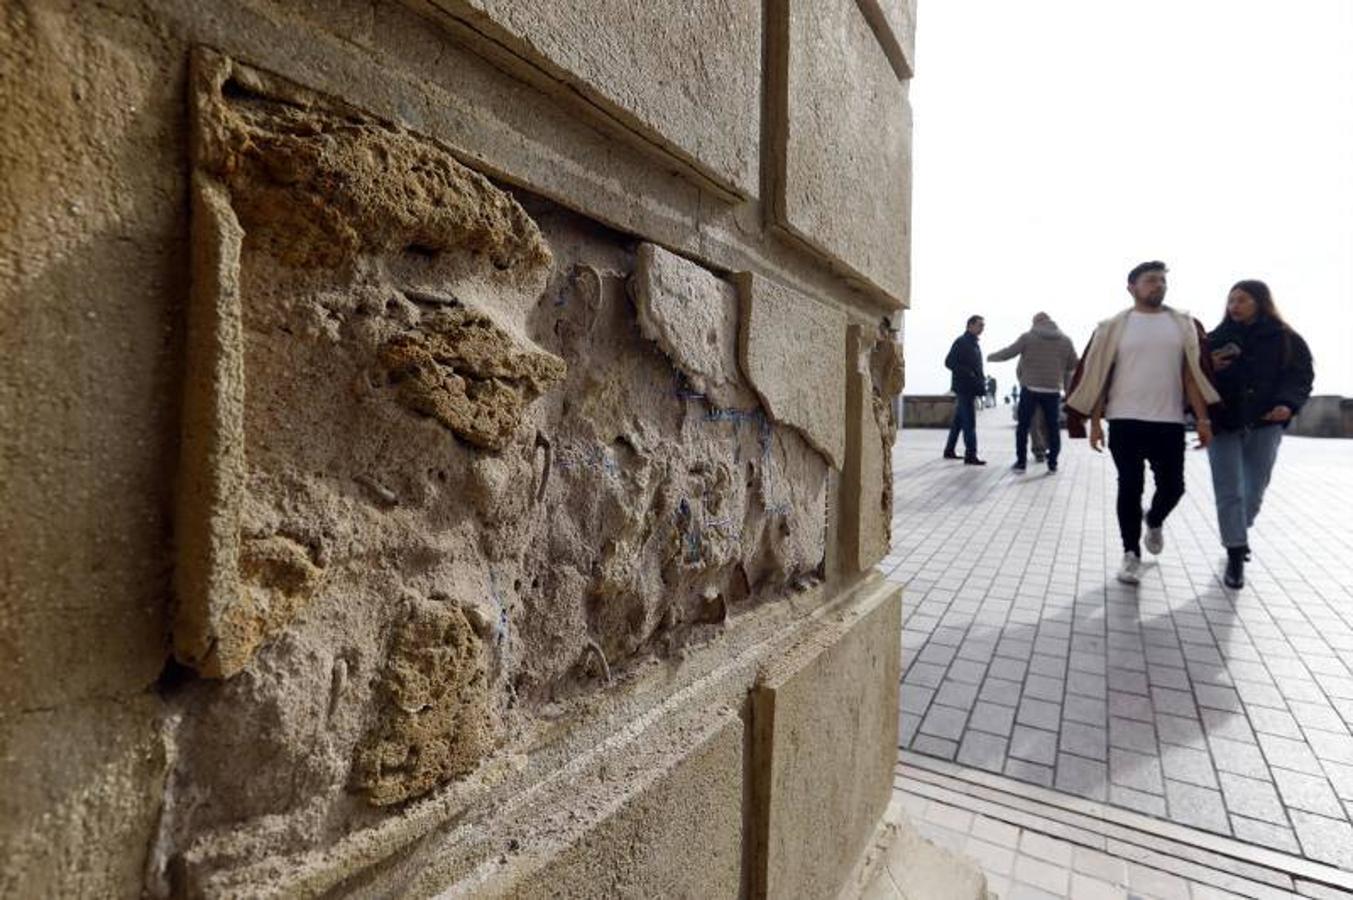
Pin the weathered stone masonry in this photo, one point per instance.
(455, 445)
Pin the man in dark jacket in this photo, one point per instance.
(968, 382)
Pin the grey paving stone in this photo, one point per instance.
(1267, 834)
(998, 690)
(1082, 661)
(978, 651)
(1010, 669)
(1331, 747)
(1189, 765)
(1034, 745)
(1091, 741)
(1252, 798)
(1177, 703)
(1045, 876)
(1040, 687)
(1289, 754)
(1130, 706)
(1039, 713)
(1166, 677)
(1087, 684)
(1089, 710)
(1309, 792)
(1151, 804)
(982, 751)
(992, 718)
(1197, 806)
(1179, 730)
(907, 726)
(956, 693)
(944, 722)
(1048, 666)
(1015, 649)
(1155, 883)
(1341, 779)
(1327, 840)
(1132, 735)
(924, 675)
(1256, 694)
(948, 637)
(915, 699)
(1239, 758)
(1082, 777)
(1033, 773)
(1129, 682)
(1229, 725)
(933, 746)
(937, 654)
(1217, 697)
(1139, 771)
(967, 671)
(1274, 721)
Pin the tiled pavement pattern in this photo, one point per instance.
(1078, 849)
(1219, 710)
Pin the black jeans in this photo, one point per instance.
(1029, 402)
(1133, 442)
(965, 420)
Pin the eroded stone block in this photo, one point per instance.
(843, 144)
(442, 482)
(685, 77)
(894, 23)
(875, 379)
(792, 350)
(824, 744)
(435, 722)
(692, 314)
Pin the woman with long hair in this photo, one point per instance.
(1264, 375)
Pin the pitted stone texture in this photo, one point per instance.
(875, 379)
(793, 350)
(437, 720)
(470, 375)
(686, 78)
(844, 145)
(894, 23)
(449, 488)
(824, 724)
(692, 315)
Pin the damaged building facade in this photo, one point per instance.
(447, 445)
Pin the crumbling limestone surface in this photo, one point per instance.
(456, 457)
(793, 350)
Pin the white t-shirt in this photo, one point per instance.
(1146, 381)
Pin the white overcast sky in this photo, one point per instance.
(1060, 142)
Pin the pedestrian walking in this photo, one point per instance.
(1139, 371)
(968, 383)
(1047, 360)
(1264, 375)
(989, 398)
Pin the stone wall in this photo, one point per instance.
(450, 443)
(1324, 415)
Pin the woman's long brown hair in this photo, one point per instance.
(1262, 296)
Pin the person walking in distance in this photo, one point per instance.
(1264, 375)
(1047, 361)
(1139, 370)
(968, 383)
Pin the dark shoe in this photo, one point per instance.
(1247, 554)
(1052, 465)
(1038, 457)
(949, 454)
(1235, 568)
(973, 461)
(1019, 467)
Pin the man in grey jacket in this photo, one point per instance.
(1047, 360)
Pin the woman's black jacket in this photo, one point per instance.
(1273, 369)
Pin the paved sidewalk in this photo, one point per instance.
(1223, 711)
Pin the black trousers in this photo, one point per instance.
(1133, 443)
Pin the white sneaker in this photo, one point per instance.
(1130, 571)
(1154, 540)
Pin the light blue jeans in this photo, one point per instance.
(1242, 462)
